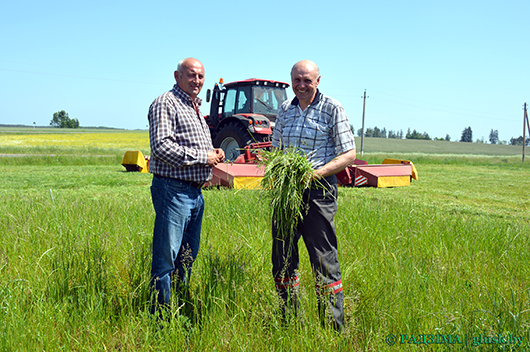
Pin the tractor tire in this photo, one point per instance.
(232, 138)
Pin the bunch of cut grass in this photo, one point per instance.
(287, 174)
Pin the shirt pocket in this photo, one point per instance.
(315, 128)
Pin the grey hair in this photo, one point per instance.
(180, 66)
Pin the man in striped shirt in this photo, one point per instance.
(182, 157)
(318, 127)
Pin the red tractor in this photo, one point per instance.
(243, 113)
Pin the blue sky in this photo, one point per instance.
(437, 67)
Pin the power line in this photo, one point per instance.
(76, 76)
(429, 106)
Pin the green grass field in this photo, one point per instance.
(439, 265)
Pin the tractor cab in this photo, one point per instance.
(243, 112)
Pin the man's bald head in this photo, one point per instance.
(306, 65)
(305, 77)
(190, 76)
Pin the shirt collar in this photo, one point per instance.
(183, 95)
(316, 99)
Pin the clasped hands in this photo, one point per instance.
(216, 156)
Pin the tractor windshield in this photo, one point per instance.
(267, 100)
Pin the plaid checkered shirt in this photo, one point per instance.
(179, 137)
(322, 131)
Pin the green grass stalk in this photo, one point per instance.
(287, 175)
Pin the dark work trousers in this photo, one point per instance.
(317, 228)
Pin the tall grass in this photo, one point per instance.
(447, 255)
(420, 269)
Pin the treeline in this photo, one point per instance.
(467, 135)
(519, 141)
(382, 133)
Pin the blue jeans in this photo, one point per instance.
(179, 208)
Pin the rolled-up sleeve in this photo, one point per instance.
(342, 134)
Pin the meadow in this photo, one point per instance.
(439, 265)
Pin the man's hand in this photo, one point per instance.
(221, 154)
(316, 175)
(215, 157)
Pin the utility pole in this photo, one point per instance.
(362, 129)
(525, 125)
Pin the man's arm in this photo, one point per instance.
(336, 165)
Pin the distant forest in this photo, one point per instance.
(467, 136)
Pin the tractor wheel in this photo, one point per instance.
(232, 138)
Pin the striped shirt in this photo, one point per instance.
(179, 137)
(322, 131)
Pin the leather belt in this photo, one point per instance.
(191, 183)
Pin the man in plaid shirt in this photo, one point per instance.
(317, 126)
(182, 157)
